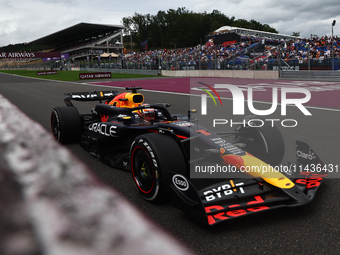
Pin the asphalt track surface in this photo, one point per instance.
(311, 229)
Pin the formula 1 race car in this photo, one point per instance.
(160, 149)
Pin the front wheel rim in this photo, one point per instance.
(143, 170)
(55, 127)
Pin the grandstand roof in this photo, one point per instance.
(258, 33)
(75, 33)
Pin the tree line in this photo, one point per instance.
(181, 27)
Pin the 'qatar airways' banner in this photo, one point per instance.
(29, 54)
(102, 75)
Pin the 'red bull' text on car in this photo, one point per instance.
(162, 149)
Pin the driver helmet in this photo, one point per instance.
(147, 114)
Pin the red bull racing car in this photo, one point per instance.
(160, 149)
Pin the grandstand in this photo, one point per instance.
(231, 48)
(255, 33)
(85, 40)
(228, 35)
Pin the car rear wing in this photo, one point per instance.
(89, 96)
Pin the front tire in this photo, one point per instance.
(66, 124)
(152, 157)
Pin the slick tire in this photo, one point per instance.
(66, 124)
(264, 142)
(152, 157)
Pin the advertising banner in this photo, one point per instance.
(86, 76)
(29, 54)
(47, 72)
(63, 56)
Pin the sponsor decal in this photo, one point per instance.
(183, 123)
(223, 190)
(91, 95)
(220, 216)
(204, 132)
(147, 146)
(180, 182)
(102, 75)
(230, 148)
(103, 129)
(310, 155)
(103, 118)
(311, 180)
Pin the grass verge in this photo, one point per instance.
(68, 75)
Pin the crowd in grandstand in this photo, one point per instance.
(317, 49)
(298, 51)
(190, 55)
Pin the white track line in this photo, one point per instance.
(225, 98)
(173, 93)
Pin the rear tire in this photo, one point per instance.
(152, 157)
(66, 124)
(265, 143)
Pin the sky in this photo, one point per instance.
(27, 20)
